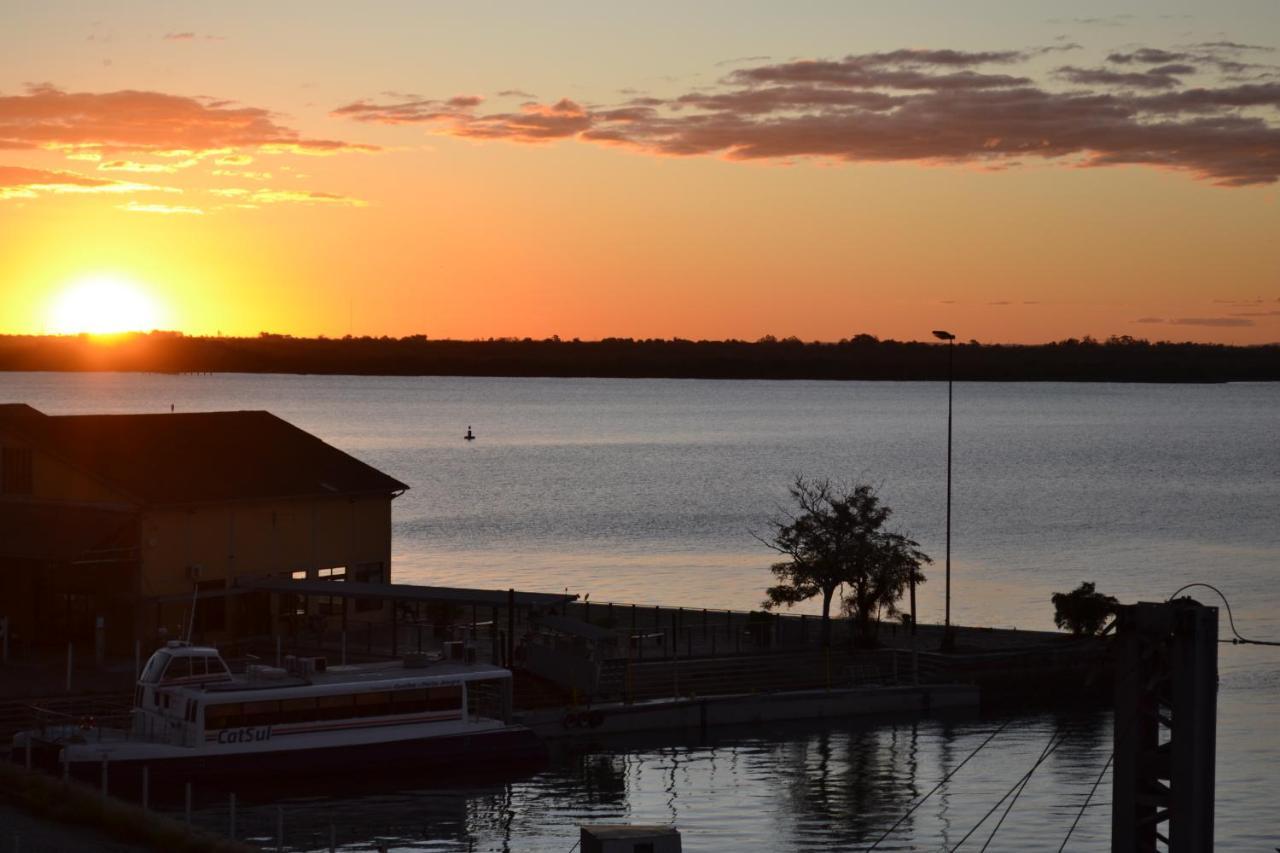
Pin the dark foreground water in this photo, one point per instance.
(647, 490)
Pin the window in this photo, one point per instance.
(444, 698)
(224, 716)
(368, 573)
(332, 605)
(15, 471)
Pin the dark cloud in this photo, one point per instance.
(1151, 320)
(1255, 314)
(1216, 322)
(1148, 56)
(1156, 78)
(140, 121)
(916, 105)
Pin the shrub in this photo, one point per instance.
(1083, 611)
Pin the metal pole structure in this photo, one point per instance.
(951, 344)
(1166, 678)
(947, 638)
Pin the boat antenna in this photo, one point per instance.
(195, 597)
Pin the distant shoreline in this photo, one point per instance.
(863, 358)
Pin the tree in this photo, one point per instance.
(835, 536)
(1083, 611)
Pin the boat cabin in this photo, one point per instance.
(187, 696)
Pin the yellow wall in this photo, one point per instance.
(258, 538)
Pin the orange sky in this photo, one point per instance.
(818, 172)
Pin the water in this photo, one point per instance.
(648, 491)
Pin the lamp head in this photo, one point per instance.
(943, 336)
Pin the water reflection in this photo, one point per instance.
(794, 787)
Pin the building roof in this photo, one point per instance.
(199, 457)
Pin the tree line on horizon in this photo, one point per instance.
(863, 356)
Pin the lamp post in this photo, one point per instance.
(947, 638)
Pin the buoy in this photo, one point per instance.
(469, 436)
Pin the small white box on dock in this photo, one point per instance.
(623, 838)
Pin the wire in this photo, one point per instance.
(941, 782)
(1025, 776)
(1085, 804)
(1025, 782)
(1231, 619)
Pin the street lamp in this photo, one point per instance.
(947, 638)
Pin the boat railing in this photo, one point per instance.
(96, 724)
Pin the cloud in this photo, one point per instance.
(1255, 314)
(1160, 77)
(276, 196)
(926, 106)
(131, 166)
(133, 122)
(190, 36)
(1149, 320)
(1216, 322)
(138, 207)
(21, 182)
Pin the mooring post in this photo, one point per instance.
(69, 655)
(278, 658)
(104, 775)
(1166, 675)
(333, 839)
(231, 817)
(187, 806)
(146, 786)
(137, 659)
(280, 829)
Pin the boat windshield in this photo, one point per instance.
(154, 668)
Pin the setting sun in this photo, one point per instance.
(102, 305)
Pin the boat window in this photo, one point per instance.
(223, 716)
(373, 704)
(335, 707)
(444, 698)
(260, 713)
(408, 701)
(155, 666)
(179, 667)
(297, 710)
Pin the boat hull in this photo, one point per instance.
(511, 747)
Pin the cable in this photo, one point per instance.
(1231, 619)
(1025, 782)
(1085, 804)
(1007, 793)
(941, 782)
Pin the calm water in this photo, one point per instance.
(648, 490)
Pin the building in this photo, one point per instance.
(121, 525)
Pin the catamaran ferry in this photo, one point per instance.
(194, 719)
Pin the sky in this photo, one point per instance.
(1013, 172)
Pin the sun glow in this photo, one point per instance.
(102, 305)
